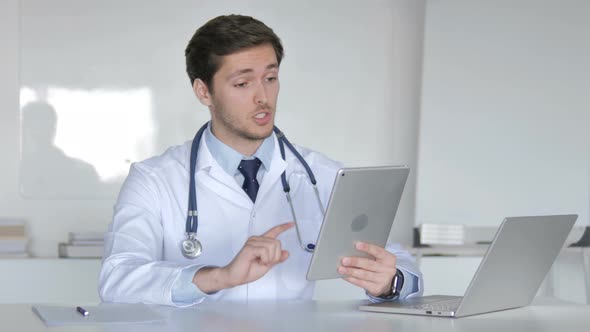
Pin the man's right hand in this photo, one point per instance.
(257, 257)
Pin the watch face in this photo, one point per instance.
(394, 284)
(398, 282)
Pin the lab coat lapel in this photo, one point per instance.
(210, 174)
(277, 167)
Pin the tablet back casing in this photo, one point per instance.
(362, 207)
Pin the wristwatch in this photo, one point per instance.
(396, 286)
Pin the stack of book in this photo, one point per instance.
(82, 245)
(13, 239)
(442, 234)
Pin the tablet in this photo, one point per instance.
(362, 207)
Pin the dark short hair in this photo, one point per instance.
(225, 35)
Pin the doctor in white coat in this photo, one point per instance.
(249, 245)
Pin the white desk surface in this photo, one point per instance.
(544, 315)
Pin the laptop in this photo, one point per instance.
(362, 206)
(509, 275)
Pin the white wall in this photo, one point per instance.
(505, 118)
(113, 71)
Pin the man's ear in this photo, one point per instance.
(202, 92)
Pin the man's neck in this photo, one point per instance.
(246, 147)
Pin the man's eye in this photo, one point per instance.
(241, 85)
(271, 79)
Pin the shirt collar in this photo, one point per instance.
(229, 159)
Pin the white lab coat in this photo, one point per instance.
(142, 256)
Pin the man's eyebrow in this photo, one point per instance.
(249, 70)
(240, 72)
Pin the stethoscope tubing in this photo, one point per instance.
(192, 219)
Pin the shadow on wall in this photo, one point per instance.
(46, 171)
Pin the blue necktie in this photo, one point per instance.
(249, 168)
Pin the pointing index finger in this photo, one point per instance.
(275, 231)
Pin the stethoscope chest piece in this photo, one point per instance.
(191, 247)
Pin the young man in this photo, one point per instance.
(249, 247)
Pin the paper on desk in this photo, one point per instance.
(106, 313)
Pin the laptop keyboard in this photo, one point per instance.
(448, 305)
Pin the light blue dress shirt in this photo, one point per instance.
(184, 291)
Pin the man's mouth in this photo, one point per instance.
(263, 118)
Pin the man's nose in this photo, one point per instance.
(260, 97)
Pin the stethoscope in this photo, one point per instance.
(191, 247)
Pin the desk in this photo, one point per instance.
(544, 315)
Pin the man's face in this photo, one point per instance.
(245, 91)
